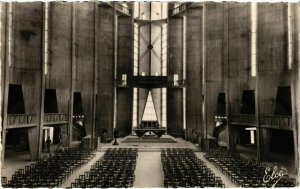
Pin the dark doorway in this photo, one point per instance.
(282, 141)
(50, 102)
(248, 102)
(57, 135)
(15, 100)
(246, 136)
(221, 106)
(243, 136)
(17, 139)
(283, 101)
(77, 104)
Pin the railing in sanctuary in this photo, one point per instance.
(55, 117)
(21, 119)
(275, 120)
(243, 118)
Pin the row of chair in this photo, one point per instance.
(247, 172)
(183, 169)
(114, 170)
(49, 172)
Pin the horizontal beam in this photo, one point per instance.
(21, 126)
(55, 123)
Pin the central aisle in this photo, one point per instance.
(149, 172)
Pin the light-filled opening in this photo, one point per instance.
(253, 39)
(164, 107)
(290, 37)
(149, 112)
(135, 107)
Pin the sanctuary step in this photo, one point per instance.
(149, 139)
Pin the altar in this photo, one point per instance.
(149, 126)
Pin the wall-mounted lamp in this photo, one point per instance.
(124, 79)
(175, 79)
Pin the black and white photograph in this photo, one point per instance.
(150, 94)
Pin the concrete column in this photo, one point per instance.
(294, 60)
(296, 91)
(115, 49)
(33, 137)
(175, 66)
(42, 90)
(203, 52)
(233, 138)
(262, 149)
(65, 137)
(5, 9)
(96, 15)
(124, 48)
(230, 144)
(194, 66)
(105, 102)
(264, 145)
(294, 123)
(73, 72)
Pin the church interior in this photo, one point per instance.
(149, 94)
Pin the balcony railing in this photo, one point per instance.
(118, 6)
(179, 9)
(122, 8)
(55, 117)
(21, 119)
(270, 120)
(274, 120)
(243, 118)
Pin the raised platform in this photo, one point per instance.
(144, 145)
(149, 139)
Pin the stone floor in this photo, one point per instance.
(226, 181)
(81, 170)
(286, 160)
(148, 173)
